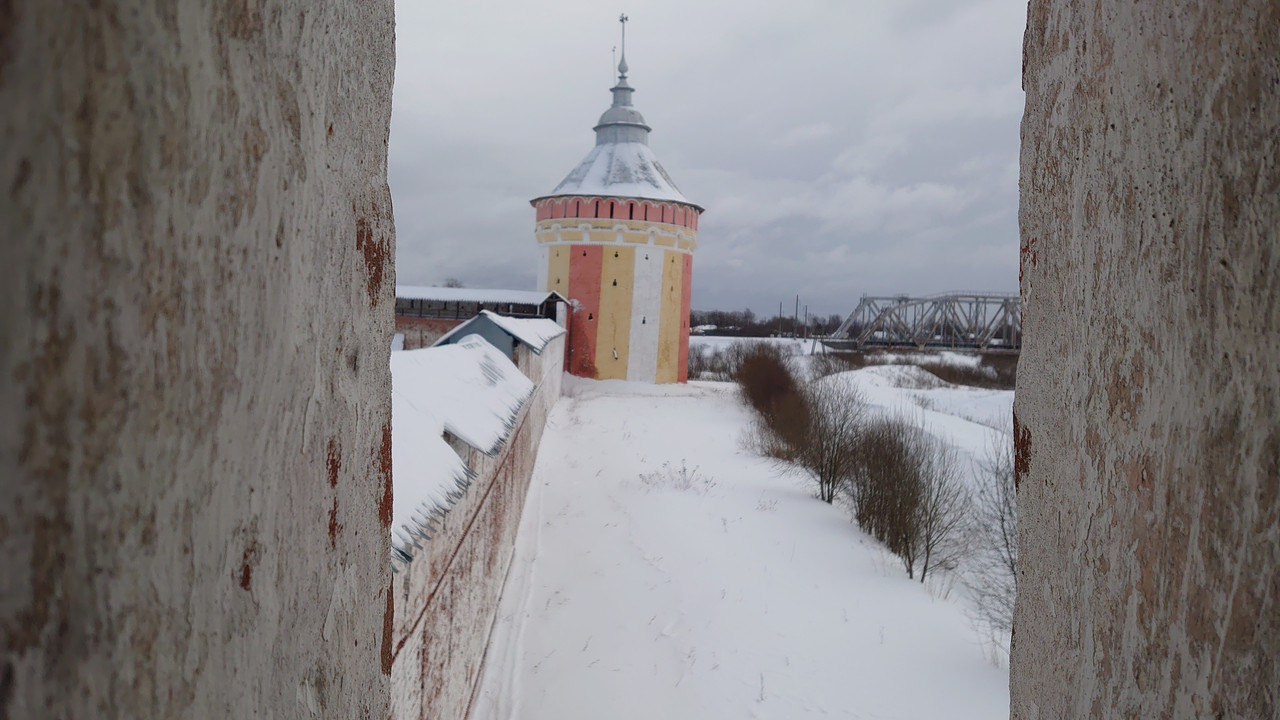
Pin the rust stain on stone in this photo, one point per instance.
(388, 630)
(335, 527)
(375, 250)
(1021, 451)
(333, 461)
(248, 561)
(384, 468)
(1028, 256)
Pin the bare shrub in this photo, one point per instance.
(819, 428)
(766, 378)
(825, 364)
(993, 573)
(711, 363)
(907, 493)
(974, 376)
(678, 478)
(700, 361)
(828, 444)
(885, 487)
(943, 514)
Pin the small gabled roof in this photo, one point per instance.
(533, 332)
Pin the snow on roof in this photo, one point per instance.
(623, 169)
(475, 295)
(534, 332)
(469, 389)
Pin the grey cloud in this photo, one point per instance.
(839, 147)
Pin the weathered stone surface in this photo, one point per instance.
(197, 284)
(1148, 399)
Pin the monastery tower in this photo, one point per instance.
(617, 237)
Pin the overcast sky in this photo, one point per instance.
(840, 147)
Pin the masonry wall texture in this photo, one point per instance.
(1148, 400)
(446, 599)
(197, 285)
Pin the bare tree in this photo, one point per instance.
(819, 427)
(943, 511)
(907, 493)
(993, 573)
(832, 435)
(885, 487)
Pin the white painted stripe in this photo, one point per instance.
(646, 312)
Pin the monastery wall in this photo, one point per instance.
(423, 332)
(196, 271)
(447, 597)
(1148, 401)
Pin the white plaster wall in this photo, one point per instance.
(1147, 418)
(197, 282)
(646, 305)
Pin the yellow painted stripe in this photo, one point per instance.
(558, 270)
(617, 275)
(669, 331)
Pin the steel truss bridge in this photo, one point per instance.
(982, 322)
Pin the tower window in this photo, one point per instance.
(591, 316)
(615, 283)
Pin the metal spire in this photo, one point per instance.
(622, 66)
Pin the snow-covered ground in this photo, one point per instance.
(663, 572)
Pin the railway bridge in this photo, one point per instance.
(966, 321)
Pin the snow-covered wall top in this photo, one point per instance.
(475, 295)
(534, 332)
(625, 169)
(469, 389)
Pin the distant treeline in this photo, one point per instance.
(744, 323)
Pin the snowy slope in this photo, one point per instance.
(736, 595)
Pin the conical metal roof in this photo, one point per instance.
(621, 164)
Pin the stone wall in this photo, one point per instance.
(1148, 398)
(197, 286)
(423, 332)
(447, 597)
